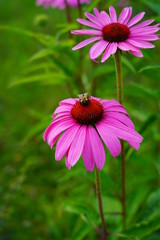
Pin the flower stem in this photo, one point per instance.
(118, 65)
(98, 190)
(68, 16)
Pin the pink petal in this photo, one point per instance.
(136, 19)
(59, 128)
(106, 17)
(109, 138)
(124, 46)
(119, 109)
(77, 146)
(145, 31)
(146, 38)
(96, 12)
(140, 43)
(128, 16)
(97, 49)
(87, 153)
(137, 54)
(93, 19)
(123, 15)
(87, 32)
(110, 103)
(123, 132)
(69, 101)
(85, 42)
(88, 24)
(61, 109)
(111, 49)
(97, 148)
(122, 118)
(65, 141)
(67, 163)
(142, 24)
(113, 14)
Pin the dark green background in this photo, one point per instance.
(39, 197)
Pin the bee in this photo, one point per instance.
(84, 99)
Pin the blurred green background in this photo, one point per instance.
(41, 198)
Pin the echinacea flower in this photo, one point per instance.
(60, 3)
(84, 123)
(111, 34)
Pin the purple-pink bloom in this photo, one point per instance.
(111, 33)
(60, 3)
(81, 126)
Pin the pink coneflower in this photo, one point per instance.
(84, 123)
(60, 3)
(111, 34)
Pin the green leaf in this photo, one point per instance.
(149, 67)
(92, 5)
(128, 64)
(36, 129)
(57, 78)
(42, 53)
(46, 40)
(143, 89)
(152, 5)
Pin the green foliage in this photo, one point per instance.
(40, 198)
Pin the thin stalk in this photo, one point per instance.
(68, 17)
(118, 65)
(98, 190)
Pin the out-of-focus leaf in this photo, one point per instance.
(42, 53)
(143, 229)
(37, 129)
(40, 66)
(101, 70)
(149, 67)
(57, 78)
(46, 40)
(92, 5)
(154, 6)
(128, 64)
(143, 89)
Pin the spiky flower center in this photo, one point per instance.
(87, 114)
(115, 32)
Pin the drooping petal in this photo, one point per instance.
(65, 141)
(97, 49)
(111, 49)
(140, 43)
(124, 132)
(88, 23)
(76, 147)
(69, 101)
(87, 32)
(87, 153)
(113, 14)
(109, 138)
(136, 19)
(85, 43)
(137, 54)
(121, 117)
(126, 46)
(149, 37)
(59, 128)
(97, 148)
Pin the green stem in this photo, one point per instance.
(118, 65)
(98, 190)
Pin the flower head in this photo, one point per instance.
(111, 34)
(60, 3)
(84, 123)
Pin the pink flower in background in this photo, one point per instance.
(82, 124)
(60, 3)
(111, 34)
